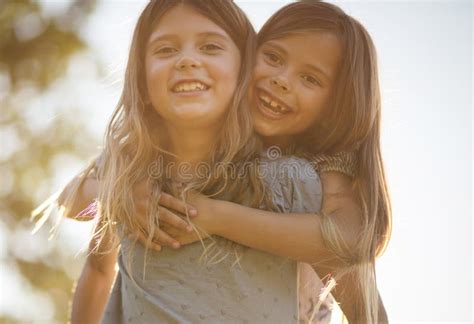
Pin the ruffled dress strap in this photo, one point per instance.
(344, 162)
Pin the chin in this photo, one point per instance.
(193, 111)
(198, 119)
(264, 129)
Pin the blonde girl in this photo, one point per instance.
(183, 102)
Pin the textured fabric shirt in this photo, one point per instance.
(173, 287)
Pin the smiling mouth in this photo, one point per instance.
(189, 86)
(271, 105)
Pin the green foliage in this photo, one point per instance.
(35, 51)
(36, 48)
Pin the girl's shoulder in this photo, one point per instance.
(289, 167)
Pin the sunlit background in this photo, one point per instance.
(61, 72)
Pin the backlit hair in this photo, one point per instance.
(350, 123)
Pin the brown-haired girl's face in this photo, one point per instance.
(192, 68)
(293, 82)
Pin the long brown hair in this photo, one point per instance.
(351, 123)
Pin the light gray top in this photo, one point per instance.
(177, 289)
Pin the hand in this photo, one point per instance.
(207, 207)
(172, 211)
(204, 224)
(184, 238)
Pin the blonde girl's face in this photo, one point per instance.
(192, 68)
(293, 82)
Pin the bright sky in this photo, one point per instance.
(425, 61)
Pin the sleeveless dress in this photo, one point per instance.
(171, 286)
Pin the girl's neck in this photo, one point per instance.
(191, 145)
(283, 142)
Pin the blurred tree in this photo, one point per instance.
(35, 51)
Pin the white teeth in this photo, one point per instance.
(273, 104)
(189, 86)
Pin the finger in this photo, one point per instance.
(171, 202)
(162, 238)
(143, 240)
(171, 231)
(174, 220)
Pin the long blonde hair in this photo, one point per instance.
(352, 123)
(135, 141)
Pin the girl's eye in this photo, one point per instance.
(211, 47)
(272, 58)
(167, 50)
(311, 79)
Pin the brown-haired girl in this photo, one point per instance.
(316, 94)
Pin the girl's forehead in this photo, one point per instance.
(301, 35)
(185, 19)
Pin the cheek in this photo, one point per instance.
(156, 77)
(311, 108)
(265, 128)
(233, 67)
(231, 75)
(226, 73)
(261, 70)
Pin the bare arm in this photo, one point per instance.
(296, 236)
(299, 237)
(86, 194)
(93, 288)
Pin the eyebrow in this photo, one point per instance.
(172, 36)
(276, 46)
(319, 70)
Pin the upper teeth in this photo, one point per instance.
(189, 86)
(273, 104)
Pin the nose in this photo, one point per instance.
(280, 83)
(187, 62)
